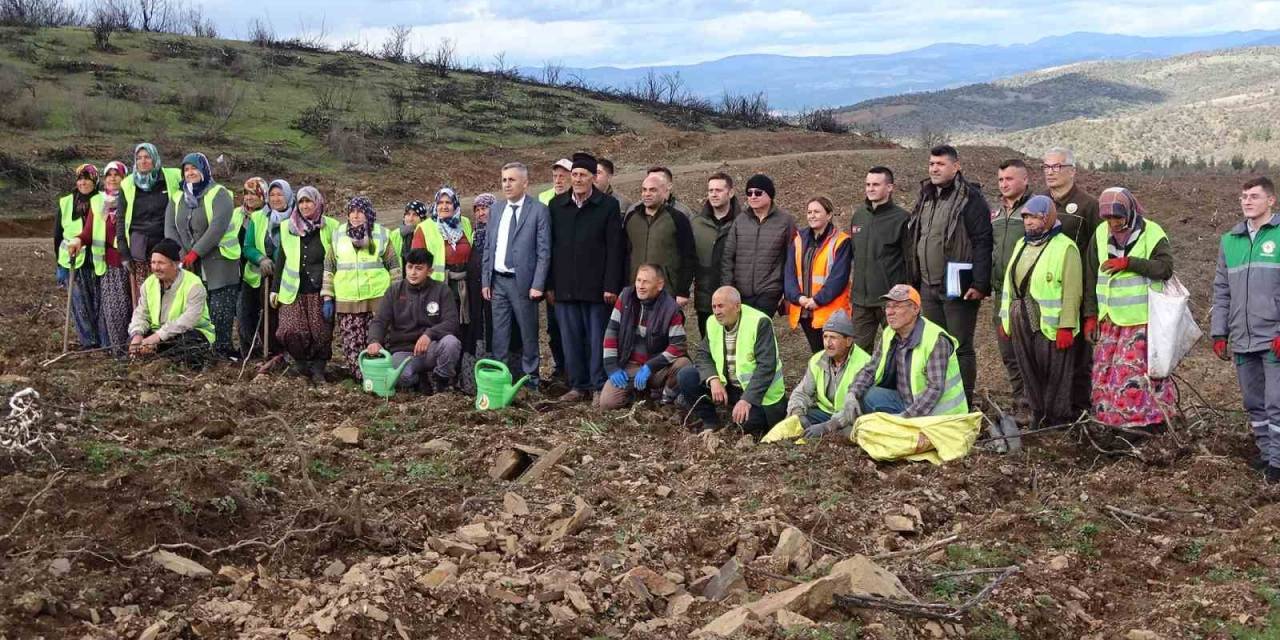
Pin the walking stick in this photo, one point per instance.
(266, 317)
(133, 285)
(66, 323)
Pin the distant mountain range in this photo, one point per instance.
(795, 83)
(1208, 105)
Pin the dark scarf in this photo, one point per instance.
(80, 203)
(192, 192)
(1044, 236)
(658, 315)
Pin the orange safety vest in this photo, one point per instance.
(819, 270)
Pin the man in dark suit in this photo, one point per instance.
(517, 257)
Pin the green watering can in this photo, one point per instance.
(493, 385)
(379, 376)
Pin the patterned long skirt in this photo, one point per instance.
(222, 312)
(139, 271)
(354, 329)
(115, 310)
(303, 330)
(84, 306)
(1123, 395)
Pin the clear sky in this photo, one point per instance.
(585, 33)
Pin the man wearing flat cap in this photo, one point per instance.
(588, 271)
(818, 401)
(172, 316)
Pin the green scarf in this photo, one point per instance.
(145, 181)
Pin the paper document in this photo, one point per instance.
(959, 279)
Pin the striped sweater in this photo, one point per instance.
(656, 353)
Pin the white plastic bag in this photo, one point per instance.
(1171, 330)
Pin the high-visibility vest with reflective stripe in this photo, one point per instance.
(360, 273)
(1045, 285)
(819, 269)
(252, 272)
(71, 227)
(186, 280)
(857, 360)
(952, 401)
(397, 245)
(435, 244)
(1122, 297)
(229, 244)
(744, 365)
(98, 237)
(172, 186)
(291, 275)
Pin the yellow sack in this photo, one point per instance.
(937, 439)
(788, 429)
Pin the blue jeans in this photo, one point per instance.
(816, 416)
(880, 399)
(759, 419)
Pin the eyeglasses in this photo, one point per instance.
(755, 193)
(1054, 168)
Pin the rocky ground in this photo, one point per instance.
(171, 504)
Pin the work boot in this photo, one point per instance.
(317, 372)
(441, 383)
(1272, 474)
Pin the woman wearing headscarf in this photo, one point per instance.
(1040, 310)
(481, 311)
(73, 210)
(1130, 254)
(109, 265)
(414, 213)
(306, 323)
(147, 192)
(202, 219)
(357, 273)
(257, 265)
(448, 237)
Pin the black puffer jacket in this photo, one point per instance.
(755, 251)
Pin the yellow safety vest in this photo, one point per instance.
(229, 244)
(172, 185)
(435, 244)
(71, 228)
(252, 272)
(745, 354)
(99, 242)
(952, 401)
(857, 360)
(291, 275)
(151, 293)
(360, 273)
(1045, 285)
(1122, 297)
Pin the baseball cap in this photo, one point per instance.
(563, 163)
(902, 293)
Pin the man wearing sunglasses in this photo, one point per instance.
(756, 248)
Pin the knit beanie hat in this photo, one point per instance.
(167, 248)
(762, 182)
(840, 323)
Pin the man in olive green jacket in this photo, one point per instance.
(710, 228)
(880, 248)
(1007, 230)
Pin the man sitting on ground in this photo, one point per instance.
(172, 317)
(818, 401)
(418, 319)
(913, 371)
(738, 366)
(644, 344)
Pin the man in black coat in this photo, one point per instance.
(951, 224)
(588, 271)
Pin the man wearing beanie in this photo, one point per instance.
(587, 274)
(171, 316)
(756, 247)
(818, 401)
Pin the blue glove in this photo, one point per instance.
(327, 310)
(618, 379)
(642, 378)
(62, 274)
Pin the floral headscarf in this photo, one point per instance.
(1119, 203)
(145, 181)
(80, 201)
(256, 186)
(302, 225)
(451, 227)
(360, 235)
(111, 199)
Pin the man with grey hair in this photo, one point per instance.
(1078, 213)
(737, 366)
(517, 256)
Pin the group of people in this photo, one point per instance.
(888, 305)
